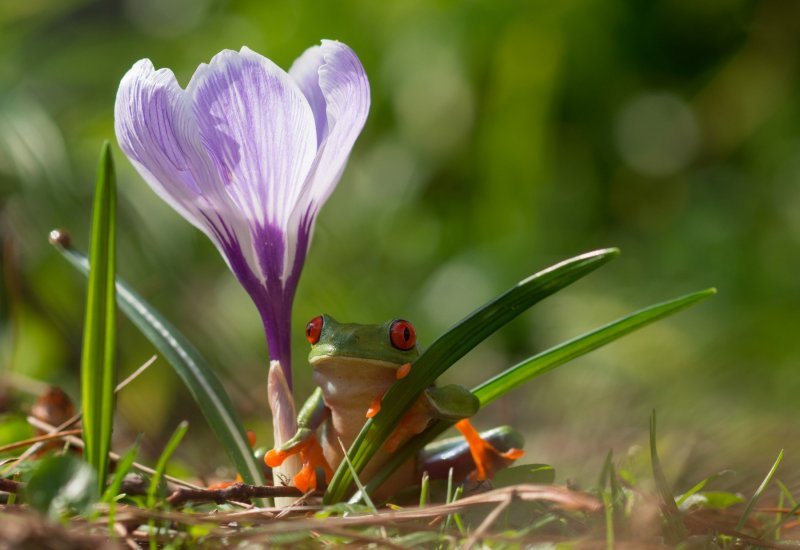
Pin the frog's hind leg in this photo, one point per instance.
(495, 449)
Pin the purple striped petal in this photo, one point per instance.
(258, 129)
(344, 86)
(156, 129)
(305, 71)
(248, 154)
(157, 132)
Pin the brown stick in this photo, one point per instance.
(237, 491)
(486, 523)
(10, 486)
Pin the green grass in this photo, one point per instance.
(617, 511)
(98, 357)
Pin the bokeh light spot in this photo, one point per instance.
(657, 134)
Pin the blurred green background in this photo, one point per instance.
(503, 137)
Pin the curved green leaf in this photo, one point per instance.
(188, 363)
(571, 349)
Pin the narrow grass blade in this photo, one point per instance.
(189, 364)
(699, 487)
(98, 356)
(364, 494)
(423, 490)
(540, 364)
(612, 496)
(757, 495)
(123, 467)
(787, 494)
(781, 520)
(161, 465)
(450, 347)
(675, 530)
(608, 506)
(158, 476)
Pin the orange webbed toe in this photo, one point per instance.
(311, 456)
(484, 454)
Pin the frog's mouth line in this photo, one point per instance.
(350, 361)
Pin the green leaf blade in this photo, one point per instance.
(189, 364)
(554, 357)
(757, 495)
(675, 530)
(450, 347)
(98, 357)
(161, 466)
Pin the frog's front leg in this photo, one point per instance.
(304, 442)
(450, 402)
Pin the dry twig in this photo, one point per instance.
(236, 492)
(490, 519)
(35, 422)
(38, 439)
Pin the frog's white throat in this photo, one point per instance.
(349, 362)
(352, 383)
(349, 386)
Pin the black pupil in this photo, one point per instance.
(406, 334)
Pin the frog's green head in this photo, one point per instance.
(388, 345)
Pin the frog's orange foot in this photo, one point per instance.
(487, 458)
(402, 371)
(226, 484)
(223, 485)
(312, 458)
(375, 406)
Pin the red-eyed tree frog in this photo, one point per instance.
(354, 365)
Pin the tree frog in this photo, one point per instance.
(353, 366)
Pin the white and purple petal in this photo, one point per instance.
(156, 129)
(249, 153)
(339, 96)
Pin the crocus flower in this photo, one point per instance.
(248, 153)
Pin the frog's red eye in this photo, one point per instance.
(402, 335)
(314, 329)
